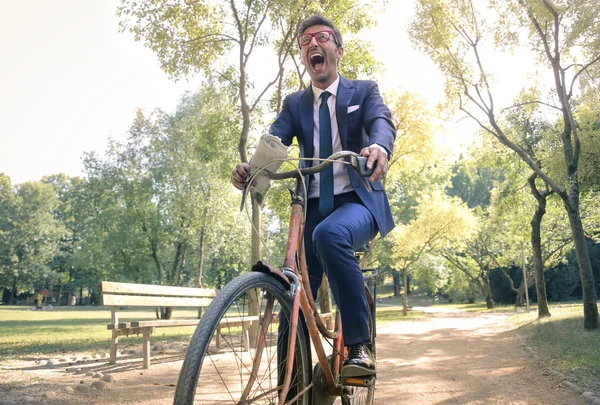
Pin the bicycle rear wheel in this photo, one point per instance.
(359, 396)
(220, 366)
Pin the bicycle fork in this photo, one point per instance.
(289, 361)
(260, 345)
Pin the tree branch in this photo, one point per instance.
(583, 69)
(224, 37)
(531, 102)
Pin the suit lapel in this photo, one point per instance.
(307, 121)
(344, 95)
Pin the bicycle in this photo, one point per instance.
(252, 345)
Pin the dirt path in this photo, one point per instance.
(461, 358)
(444, 358)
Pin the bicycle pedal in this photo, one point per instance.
(366, 381)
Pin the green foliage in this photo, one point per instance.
(30, 235)
(461, 289)
(186, 36)
(472, 183)
(156, 210)
(431, 272)
(358, 61)
(217, 39)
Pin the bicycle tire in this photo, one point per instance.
(360, 396)
(201, 383)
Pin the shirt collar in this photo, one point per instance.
(333, 88)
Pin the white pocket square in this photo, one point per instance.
(353, 108)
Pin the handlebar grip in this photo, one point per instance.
(361, 166)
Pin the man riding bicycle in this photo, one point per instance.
(336, 114)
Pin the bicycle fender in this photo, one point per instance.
(273, 271)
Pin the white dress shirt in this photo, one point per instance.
(341, 180)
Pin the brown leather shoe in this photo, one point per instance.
(360, 361)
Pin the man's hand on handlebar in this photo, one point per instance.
(376, 154)
(239, 175)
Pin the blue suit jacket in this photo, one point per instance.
(370, 123)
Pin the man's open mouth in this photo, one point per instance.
(317, 60)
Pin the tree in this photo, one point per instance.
(31, 235)
(417, 166)
(440, 222)
(154, 200)
(564, 39)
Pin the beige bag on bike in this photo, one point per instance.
(269, 155)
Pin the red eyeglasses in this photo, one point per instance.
(321, 36)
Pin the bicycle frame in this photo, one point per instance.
(302, 299)
(295, 273)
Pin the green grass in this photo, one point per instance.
(563, 344)
(29, 333)
(390, 310)
(26, 332)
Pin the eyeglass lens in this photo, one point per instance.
(322, 36)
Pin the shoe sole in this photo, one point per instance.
(357, 371)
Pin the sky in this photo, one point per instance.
(69, 80)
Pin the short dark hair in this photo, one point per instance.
(318, 19)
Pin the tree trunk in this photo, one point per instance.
(201, 258)
(325, 301)
(487, 292)
(538, 271)
(13, 292)
(157, 263)
(396, 276)
(172, 278)
(520, 300)
(181, 264)
(165, 312)
(405, 295)
(200, 267)
(588, 287)
(536, 246)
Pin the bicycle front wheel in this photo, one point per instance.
(233, 356)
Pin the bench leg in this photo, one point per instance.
(246, 338)
(146, 350)
(113, 348)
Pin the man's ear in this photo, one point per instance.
(340, 53)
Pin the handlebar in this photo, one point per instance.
(359, 163)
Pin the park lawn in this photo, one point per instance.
(390, 310)
(29, 333)
(26, 332)
(563, 344)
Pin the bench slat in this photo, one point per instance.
(151, 289)
(165, 323)
(155, 301)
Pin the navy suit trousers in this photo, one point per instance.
(329, 245)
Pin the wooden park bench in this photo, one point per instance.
(119, 295)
